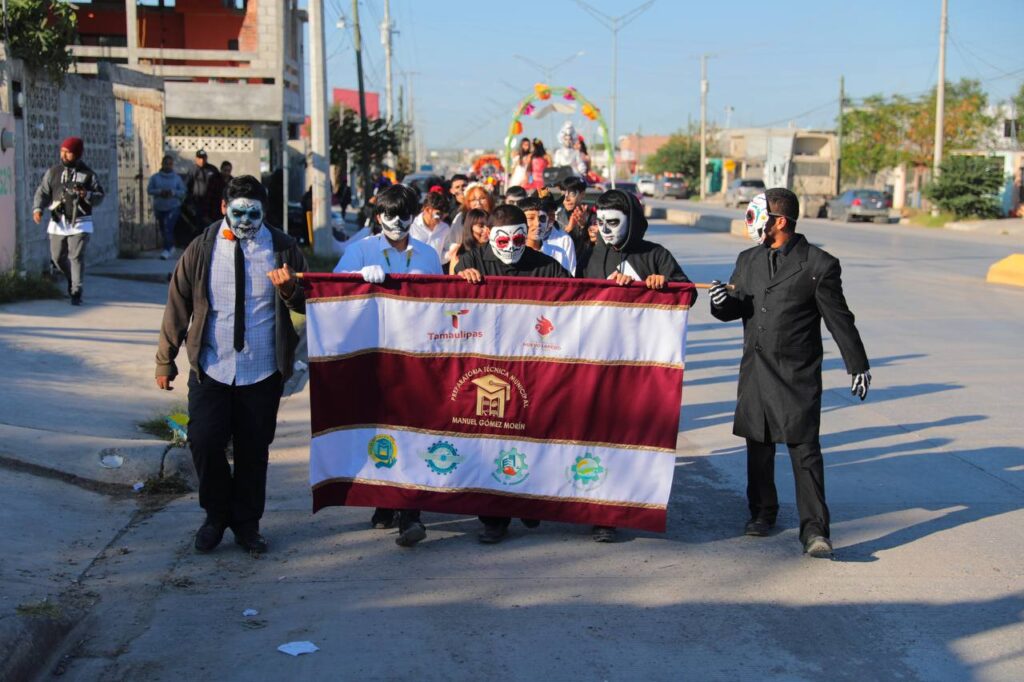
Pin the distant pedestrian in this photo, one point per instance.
(783, 288)
(70, 190)
(168, 192)
(456, 195)
(539, 161)
(429, 226)
(226, 172)
(205, 188)
(229, 301)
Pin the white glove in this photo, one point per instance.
(374, 274)
(861, 383)
(718, 293)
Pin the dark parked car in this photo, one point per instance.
(665, 187)
(422, 182)
(859, 204)
(740, 191)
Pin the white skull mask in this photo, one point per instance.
(245, 217)
(395, 227)
(544, 226)
(613, 225)
(757, 218)
(508, 242)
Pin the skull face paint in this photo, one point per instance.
(395, 227)
(245, 217)
(508, 242)
(613, 225)
(757, 218)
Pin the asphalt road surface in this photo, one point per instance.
(925, 481)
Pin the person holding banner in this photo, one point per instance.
(393, 251)
(782, 289)
(623, 256)
(229, 301)
(506, 255)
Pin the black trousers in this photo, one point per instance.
(247, 417)
(809, 475)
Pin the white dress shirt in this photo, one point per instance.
(417, 259)
(257, 360)
(559, 246)
(436, 239)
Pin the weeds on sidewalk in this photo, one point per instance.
(40, 609)
(18, 287)
(170, 428)
(166, 485)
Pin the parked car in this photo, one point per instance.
(631, 188)
(741, 190)
(859, 204)
(422, 182)
(669, 186)
(645, 183)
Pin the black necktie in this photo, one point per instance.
(239, 296)
(773, 260)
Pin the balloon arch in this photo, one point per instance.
(543, 93)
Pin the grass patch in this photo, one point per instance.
(17, 287)
(166, 485)
(926, 219)
(40, 609)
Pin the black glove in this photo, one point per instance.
(860, 385)
(718, 293)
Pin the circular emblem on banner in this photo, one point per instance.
(442, 457)
(586, 473)
(383, 451)
(510, 467)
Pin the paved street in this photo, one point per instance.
(925, 482)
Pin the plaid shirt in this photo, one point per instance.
(256, 361)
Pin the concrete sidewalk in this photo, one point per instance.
(79, 380)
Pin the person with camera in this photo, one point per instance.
(69, 190)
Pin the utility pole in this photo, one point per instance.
(703, 124)
(387, 29)
(839, 138)
(415, 138)
(322, 236)
(940, 99)
(615, 24)
(364, 165)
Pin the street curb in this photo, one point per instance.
(1009, 270)
(699, 221)
(34, 642)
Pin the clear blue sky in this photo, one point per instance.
(773, 61)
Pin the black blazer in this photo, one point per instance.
(780, 374)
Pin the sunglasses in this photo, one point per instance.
(516, 241)
(752, 215)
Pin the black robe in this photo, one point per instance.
(646, 258)
(779, 393)
(531, 264)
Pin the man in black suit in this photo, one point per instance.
(782, 289)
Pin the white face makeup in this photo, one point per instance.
(757, 218)
(544, 226)
(508, 242)
(614, 226)
(395, 227)
(245, 217)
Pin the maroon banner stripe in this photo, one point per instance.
(499, 289)
(355, 494)
(537, 399)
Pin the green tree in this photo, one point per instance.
(968, 186)
(884, 132)
(1018, 103)
(346, 142)
(40, 32)
(680, 154)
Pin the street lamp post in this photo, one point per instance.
(615, 24)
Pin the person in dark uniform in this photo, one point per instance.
(622, 255)
(782, 289)
(506, 255)
(205, 190)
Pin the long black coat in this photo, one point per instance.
(780, 374)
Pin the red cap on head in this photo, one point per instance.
(73, 145)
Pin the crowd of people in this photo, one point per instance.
(240, 342)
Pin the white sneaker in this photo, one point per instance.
(165, 254)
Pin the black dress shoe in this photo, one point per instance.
(251, 541)
(758, 528)
(818, 547)
(209, 536)
(530, 523)
(604, 534)
(382, 518)
(411, 534)
(76, 298)
(492, 535)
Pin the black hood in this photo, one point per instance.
(637, 223)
